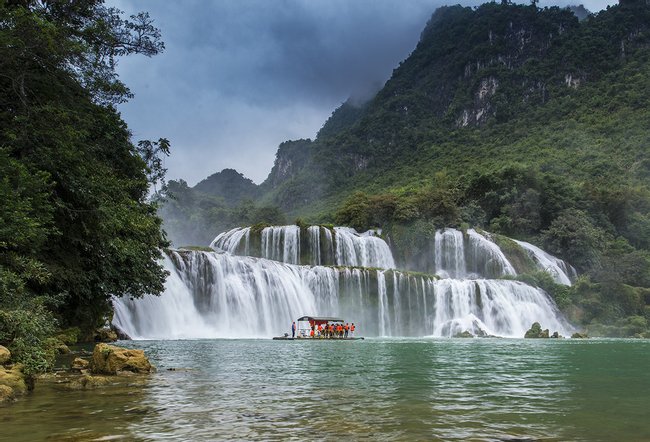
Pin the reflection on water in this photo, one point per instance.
(478, 389)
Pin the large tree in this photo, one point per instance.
(76, 224)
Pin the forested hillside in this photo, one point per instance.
(76, 225)
(524, 121)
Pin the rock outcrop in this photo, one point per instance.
(109, 359)
(5, 355)
(88, 382)
(12, 382)
(536, 331)
(105, 334)
(79, 364)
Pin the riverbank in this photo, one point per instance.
(106, 365)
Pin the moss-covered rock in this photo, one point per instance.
(105, 334)
(5, 355)
(534, 331)
(88, 382)
(465, 334)
(6, 394)
(578, 335)
(109, 359)
(14, 378)
(79, 364)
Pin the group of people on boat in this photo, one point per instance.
(327, 330)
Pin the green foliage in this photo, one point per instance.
(573, 235)
(25, 330)
(76, 226)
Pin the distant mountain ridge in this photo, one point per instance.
(229, 184)
(473, 69)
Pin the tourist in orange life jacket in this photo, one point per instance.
(320, 330)
(346, 329)
(311, 333)
(352, 329)
(331, 331)
(340, 330)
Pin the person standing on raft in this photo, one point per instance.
(293, 330)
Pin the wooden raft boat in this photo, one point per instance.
(306, 324)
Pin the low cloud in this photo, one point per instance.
(239, 77)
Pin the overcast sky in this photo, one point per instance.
(238, 77)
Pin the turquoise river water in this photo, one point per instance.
(377, 389)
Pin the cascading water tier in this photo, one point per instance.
(220, 294)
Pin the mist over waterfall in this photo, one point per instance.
(222, 294)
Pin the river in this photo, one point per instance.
(379, 389)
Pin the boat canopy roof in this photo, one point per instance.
(319, 319)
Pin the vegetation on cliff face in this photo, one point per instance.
(527, 122)
(76, 226)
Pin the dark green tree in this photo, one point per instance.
(76, 224)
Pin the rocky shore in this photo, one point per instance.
(108, 364)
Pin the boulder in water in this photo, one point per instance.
(88, 382)
(535, 331)
(12, 382)
(109, 359)
(578, 335)
(5, 355)
(465, 334)
(6, 393)
(79, 364)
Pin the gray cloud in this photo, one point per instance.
(238, 77)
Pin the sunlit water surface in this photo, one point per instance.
(453, 389)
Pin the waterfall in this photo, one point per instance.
(281, 243)
(231, 241)
(486, 258)
(382, 318)
(561, 272)
(472, 255)
(343, 247)
(314, 244)
(362, 250)
(210, 295)
(449, 254)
